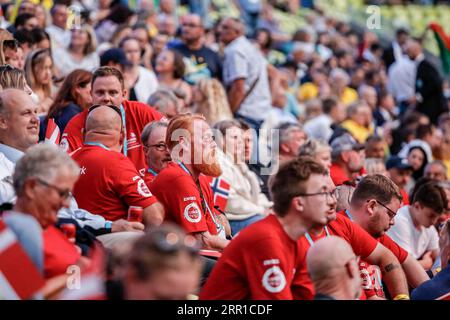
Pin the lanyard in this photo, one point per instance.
(98, 144)
(205, 206)
(310, 240)
(348, 214)
(124, 124)
(152, 172)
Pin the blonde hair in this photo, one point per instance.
(91, 46)
(375, 166)
(11, 77)
(5, 35)
(215, 106)
(33, 59)
(313, 147)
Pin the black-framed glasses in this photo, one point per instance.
(331, 194)
(63, 193)
(158, 146)
(391, 213)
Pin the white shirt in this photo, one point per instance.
(319, 127)
(65, 63)
(146, 85)
(60, 38)
(406, 235)
(401, 79)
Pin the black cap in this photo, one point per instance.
(398, 162)
(116, 55)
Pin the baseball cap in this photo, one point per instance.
(345, 142)
(116, 55)
(397, 162)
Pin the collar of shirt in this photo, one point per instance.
(419, 59)
(11, 153)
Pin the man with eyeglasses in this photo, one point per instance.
(202, 61)
(414, 224)
(373, 207)
(372, 252)
(109, 183)
(261, 262)
(156, 152)
(43, 180)
(108, 88)
(182, 187)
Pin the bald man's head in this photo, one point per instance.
(103, 118)
(327, 255)
(104, 125)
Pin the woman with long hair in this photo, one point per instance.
(209, 98)
(72, 98)
(39, 74)
(80, 54)
(246, 203)
(170, 70)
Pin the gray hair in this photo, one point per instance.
(285, 130)
(161, 100)
(43, 161)
(313, 147)
(148, 129)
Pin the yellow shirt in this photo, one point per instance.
(359, 132)
(349, 96)
(307, 92)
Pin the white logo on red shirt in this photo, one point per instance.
(274, 280)
(192, 213)
(143, 189)
(83, 170)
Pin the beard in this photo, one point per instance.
(209, 166)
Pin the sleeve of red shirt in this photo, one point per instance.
(257, 271)
(130, 186)
(362, 243)
(182, 202)
(398, 251)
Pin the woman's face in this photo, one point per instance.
(79, 38)
(234, 142)
(132, 51)
(43, 71)
(416, 159)
(324, 158)
(164, 62)
(84, 91)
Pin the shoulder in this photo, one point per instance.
(77, 121)
(138, 107)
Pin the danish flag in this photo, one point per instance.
(19, 277)
(221, 190)
(52, 133)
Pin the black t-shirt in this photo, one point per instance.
(202, 63)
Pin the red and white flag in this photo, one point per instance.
(221, 190)
(52, 133)
(19, 277)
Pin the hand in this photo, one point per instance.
(226, 224)
(427, 260)
(124, 225)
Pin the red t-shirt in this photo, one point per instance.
(177, 191)
(59, 252)
(137, 115)
(258, 264)
(338, 175)
(149, 177)
(109, 183)
(405, 197)
(362, 244)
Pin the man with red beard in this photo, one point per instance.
(261, 262)
(374, 251)
(182, 187)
